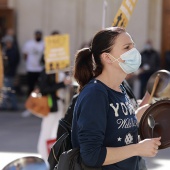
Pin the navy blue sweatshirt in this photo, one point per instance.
(103, 118)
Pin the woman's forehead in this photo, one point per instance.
(124, 38)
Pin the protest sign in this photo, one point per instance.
(124, 13)
(57, 53)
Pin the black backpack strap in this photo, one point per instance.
(128, 90)
(67, 118)
(65, 125)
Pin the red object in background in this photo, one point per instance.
(50, 143)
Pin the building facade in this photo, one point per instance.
(82, 18)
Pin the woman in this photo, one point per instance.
(104, 122)
(55, 90)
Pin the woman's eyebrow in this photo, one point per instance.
(129, 44)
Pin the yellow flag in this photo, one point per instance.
(124, 13)
(1, 70)
(57, 53)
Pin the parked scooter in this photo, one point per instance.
(27, 163)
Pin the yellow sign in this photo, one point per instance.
(1, 70)
(124, 13)
(57, 53)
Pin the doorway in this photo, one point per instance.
(6, 20)
(165, 33)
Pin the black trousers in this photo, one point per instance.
(32, 78)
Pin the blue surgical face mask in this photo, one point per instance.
(132, 61)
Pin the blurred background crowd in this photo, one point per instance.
(23, 26)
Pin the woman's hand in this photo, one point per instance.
(148, 147)
(140, 111)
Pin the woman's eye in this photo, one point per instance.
(127, 47)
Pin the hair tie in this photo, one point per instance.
(90, 49)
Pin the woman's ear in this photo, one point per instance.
(106, 58)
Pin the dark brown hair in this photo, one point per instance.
(87, 63)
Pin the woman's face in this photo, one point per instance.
(123, 43)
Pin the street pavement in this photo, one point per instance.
(19, 136)
(160, 162)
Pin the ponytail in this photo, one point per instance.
(88, 64)
(83, 70)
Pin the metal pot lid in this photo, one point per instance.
(164, 82)
(160, 112)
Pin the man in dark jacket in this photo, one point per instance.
(150, 64)
(11, 61)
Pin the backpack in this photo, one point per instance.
(71, 160)
(68, 116)
(61, 145)
(63, 141)
(62, 156)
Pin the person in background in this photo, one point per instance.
(167, 60)
(54, 86)
(105, 122)
(150, 64)
(33, 52)
(11, 62)
(55, 90)
(55, 32)
(11, 32)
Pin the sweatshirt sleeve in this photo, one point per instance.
(91, 127)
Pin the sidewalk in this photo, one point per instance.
(160, 162)
(17, 133)
(18, 136)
